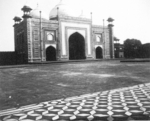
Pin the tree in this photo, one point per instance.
(144, 51)
(131, 48)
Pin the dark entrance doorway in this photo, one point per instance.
(99, 53)
(50, 54)
(76, 47)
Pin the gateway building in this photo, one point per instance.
(64, 36)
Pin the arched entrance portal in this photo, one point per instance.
(76, 47)
(99, 53)
(50, 54)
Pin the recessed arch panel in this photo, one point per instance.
(76, 47)
(50, 53)
(99, 53)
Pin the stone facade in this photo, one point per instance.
(39, 40)
(119, 50)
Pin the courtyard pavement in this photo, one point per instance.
(116, 104)
(123, 104)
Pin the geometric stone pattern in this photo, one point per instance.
(130, 103)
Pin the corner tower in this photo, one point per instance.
(111, 37)
(20, 35)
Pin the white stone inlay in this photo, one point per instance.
(79, 27)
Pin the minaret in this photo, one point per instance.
(26, 10)
(111, 38)
(16, 20)
(27, 32)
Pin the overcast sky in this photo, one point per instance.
(132, 17)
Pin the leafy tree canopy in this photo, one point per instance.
(144, 51)
(131, 47)
(132, 42)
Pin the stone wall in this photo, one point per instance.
(104, 43)
(20, 34)
(38, 41)
(8, 58)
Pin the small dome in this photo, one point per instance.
(65, 10)
(35, 13)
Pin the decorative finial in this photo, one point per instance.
(91, 16)
(60, 1)
(81, 13)
(27, 3)
(37, 6)
(57, 11)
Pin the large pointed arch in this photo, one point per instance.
(76, 47)
(99, 53)
(50, 54)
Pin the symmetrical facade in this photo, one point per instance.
(62, 37)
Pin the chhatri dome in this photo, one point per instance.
(65, 9)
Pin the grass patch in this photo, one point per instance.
(28, 85)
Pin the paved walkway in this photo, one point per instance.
(71, 61)
(124, 104)
(49, 62)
